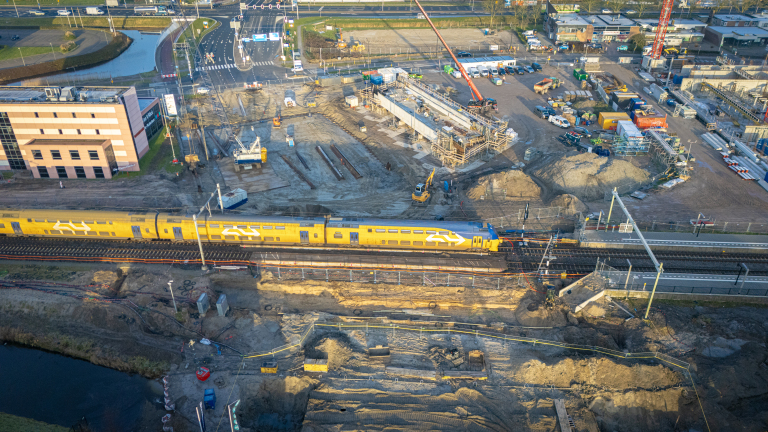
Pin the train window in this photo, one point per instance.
(39, 220)
(242, 226)
(355, 226)
(383, 242)
(173, 220)
(269, 239)
(444, 233)
(277, 239)
(393, 242)
(147, 230)
(405, 231)
(201, 225)
(29, 220)
(393, 231)
(306, 224)
(215, 237)
(166, 230)
(256, 237)
(55, 232)
(431, 244)
(3, 226)
(405, 242)
(113, 235)
(370, 230)
(483, 230)
(229, 237)
(315, 233)
(87, 222)
(100, 223)
(110, 222)
(229, 226)
(337, 235)
(214, 225)
(267, 227)
(418, 231)
(431, 232)
(380, 230)
(103, 234)
(137, 219)
(280, 227)
(91, 232)
(243, 237)
(46, 231)
(254, 227)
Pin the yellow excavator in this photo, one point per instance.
(421, 194)
(340, 44)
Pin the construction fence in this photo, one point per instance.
(711, 227)
(392, 277)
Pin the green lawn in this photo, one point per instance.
(127, 22)
(7, 53)
(158, 157)
(12, 423)
(59, 3)
(198, 25)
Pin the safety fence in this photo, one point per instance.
(392, 277)
(689, 226)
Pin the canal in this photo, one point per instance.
(60, 390)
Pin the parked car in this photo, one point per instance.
(595, 46)
(536, 66)
(529, 69)
(511, 70)
(15, 37)
(203, 90)
(583, 131)
(622, 48)
(36, 12)
(461, 54)
(502, 71)
(563, 47)
(631, 11)
(520, 70)
(544, 111)
(606, 11)
(63, 12)
(494, 72)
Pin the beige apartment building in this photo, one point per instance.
(71, 132)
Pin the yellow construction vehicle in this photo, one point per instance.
(358, 47)
(421, 194)
(276, 121)
(340, 41)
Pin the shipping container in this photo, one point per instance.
(651, 121)
(376, 80)
(609, 120)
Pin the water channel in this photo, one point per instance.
(138, 58)
(60, 390)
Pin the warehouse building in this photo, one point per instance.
(71, 132)
(608, 28)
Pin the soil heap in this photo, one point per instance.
(589, 176)
(515, 183)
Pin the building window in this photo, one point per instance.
(73, 115)
(43, 172)
(9, 144)
(98, 172)
(38, 154)
(80, 172)
(97, 132)
(42, 132)
(93, 115)
(60, 132)
(37, 115)
(56, 155)
(78, 132)
(55, 115)
(61, 172)
(93, 154)
(74, 154)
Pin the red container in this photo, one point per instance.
(644, 122)
(203, 373)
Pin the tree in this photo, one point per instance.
(535, 14)
(747, 4)
(638, 41)
(642, 6)
(615, 5)
(493, 8)
(718, 5)
(591, 5)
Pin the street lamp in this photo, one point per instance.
(22, 56)
(17, 10)
(170, 287)
(52, 51)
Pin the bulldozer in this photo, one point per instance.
(421, 194)
(358, 47)
(276, 121)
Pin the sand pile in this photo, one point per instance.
(571, 204)
(513, 183)
(589, 176)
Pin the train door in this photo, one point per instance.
(353, 238)
(177, 233)
(136, 231)
(477, 242)
(16, 228)
(304, 236)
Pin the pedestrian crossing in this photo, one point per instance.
(230, 66)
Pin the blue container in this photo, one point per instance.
(377, 79)
(761, 143)
(766, 177)
(632, 114)
(677, 79)
(209, 399)
(597, 149)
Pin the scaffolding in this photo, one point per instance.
(624, 146)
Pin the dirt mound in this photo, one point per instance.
(512, 183)
(570, 203)
(534, 314)
(336, 350)
(589, 176)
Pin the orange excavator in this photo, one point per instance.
(479, 102)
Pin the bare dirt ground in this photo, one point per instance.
(136, 331)
(425, 39)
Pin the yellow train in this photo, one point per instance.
(251, 229)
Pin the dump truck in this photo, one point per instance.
(543, 86)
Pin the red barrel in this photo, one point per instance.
(203, 373)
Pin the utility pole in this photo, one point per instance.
(52, 51)
(17, 9)
(22, 56)
(170, 287)
(655, 283)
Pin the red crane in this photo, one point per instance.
(480, 101)
(661, 30)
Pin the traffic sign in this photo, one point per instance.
(625, 228)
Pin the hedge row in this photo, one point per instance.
(383, 23)
(120, 23)
(116, 47)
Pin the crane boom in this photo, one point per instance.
(475, 91)
(661, 33)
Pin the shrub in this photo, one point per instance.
(69, 35)
(68, 46)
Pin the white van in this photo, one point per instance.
(483, 71)
(559, 121)
(474, 73)
(494, 72)
(647, 49)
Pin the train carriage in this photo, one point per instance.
(78, 224)
(412, 234)
(178, 227)
(248, 229)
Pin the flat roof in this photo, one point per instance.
(672, 23)
(571, 19)
(610, 20)
(739, 31)
(83, 94)
(733, 17)
(63, 142)
(144, 102)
